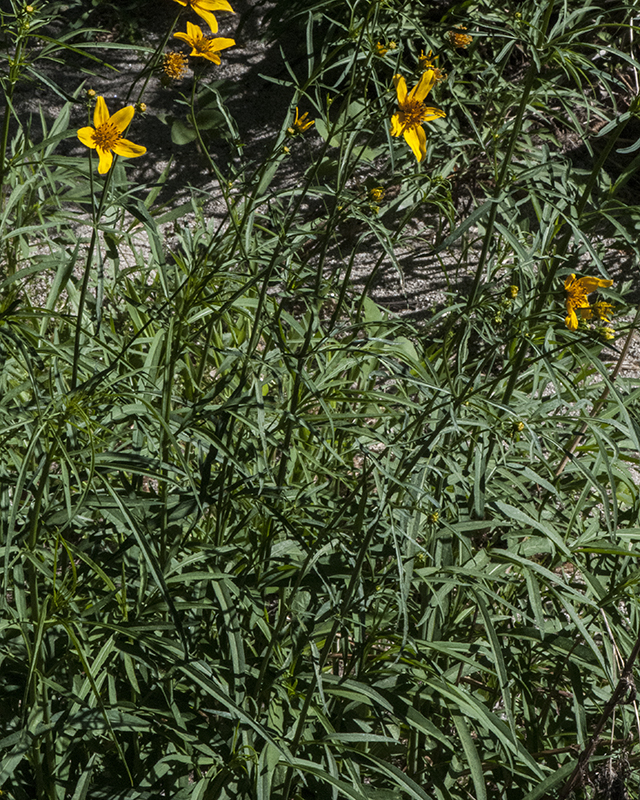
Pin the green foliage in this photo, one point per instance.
(263, 538)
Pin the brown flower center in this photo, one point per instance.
(413, 113)
(106, 136)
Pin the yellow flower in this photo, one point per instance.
(204, 8)
(413, 112)
(204, 46)
(106, 136)
(577, 290)
(602, 310)
(428, 62)
(459, 40)
(512, 291)
(300, 124)
(174, 65)
(381, 50)
(377, 194)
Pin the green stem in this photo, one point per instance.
(515, 133)
(96, 214)
(531, 75)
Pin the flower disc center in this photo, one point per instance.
(414, 112)
(106, 136)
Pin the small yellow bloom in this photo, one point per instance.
(512, 291)
(602, 310)
(141, 107)
(381, 50)
(577, 290)
(204, 8)
(300, 124)
(174, 65)
(428, 62)
(413, 112)
(29, 9)
(377, 194)
(459, 40)
(204, 46)
(106, 136)
(608, 333)
(91, 93)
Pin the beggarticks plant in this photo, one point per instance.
(413, 113)
(106, 135)
(204, 46)
(577, 291)
(300, 124)
(428, 62)
(277, 519)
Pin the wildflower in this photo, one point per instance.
(512, 291)
(427, 62)
(377, 194)
(392, 45)
(413, 112)
(106, 136)
(433, 518)
(300, 124)
(29, 9)
(174, 65)
(204, 46)
(577, 290)
(141, 107)
(381, 50)
(602, 310)
(91, 93)
(204, 8)
(459, 40)
(607, 333)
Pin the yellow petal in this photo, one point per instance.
(194, 31)
(433, 113)
(571, 321)
(122, 118)
(100, 113)
(591, 284)
(182, 2)
(401, 88)
(86, 137)
(220, 43)
(123, 147)
(424, 86)
(184, 36)
(214, 5)
(209, 56)
(106, 159)
(208, 17)
(569, 281)
(396, 125)
(417, 141)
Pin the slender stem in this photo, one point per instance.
(532, 73)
